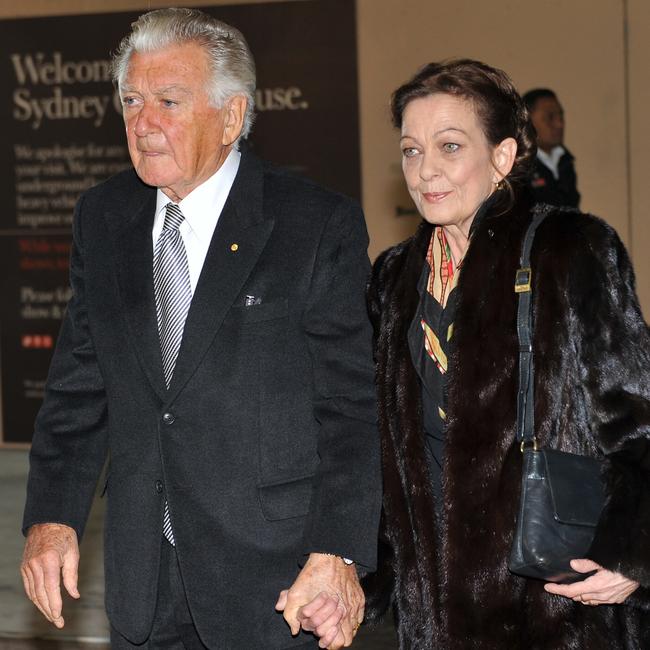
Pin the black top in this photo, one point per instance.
(434, 382)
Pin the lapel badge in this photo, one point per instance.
(252, 300)
(234, 247)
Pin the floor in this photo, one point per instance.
(21, 625)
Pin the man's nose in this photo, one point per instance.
(145, 122)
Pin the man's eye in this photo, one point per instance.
(450, 147)
(128, 101)
(168, 103)
(409, 152)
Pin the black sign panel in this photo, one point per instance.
(63, 132)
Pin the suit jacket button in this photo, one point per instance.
(168, 418)
(159, 486)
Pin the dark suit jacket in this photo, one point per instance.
(265, 444)
(562, 191)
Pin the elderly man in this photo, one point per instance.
(216, 349)
(554, 178)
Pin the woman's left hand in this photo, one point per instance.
(602, 588)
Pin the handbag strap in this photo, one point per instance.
(526, 392)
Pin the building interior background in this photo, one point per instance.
(593, 53)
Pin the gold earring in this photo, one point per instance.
(499, 185)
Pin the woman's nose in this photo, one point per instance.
(430, 167)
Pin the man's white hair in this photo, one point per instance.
(231, 62)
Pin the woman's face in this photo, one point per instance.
(448, 164)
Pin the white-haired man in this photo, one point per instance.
(216, 349)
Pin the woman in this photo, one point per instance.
(444, 312)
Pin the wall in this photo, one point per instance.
(578, 48)
(587, 77)
(638, 25)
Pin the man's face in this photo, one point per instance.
(176, 139)
(547, 117)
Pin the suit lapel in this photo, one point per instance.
(239, 238)
(135, 277)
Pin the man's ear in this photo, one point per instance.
(503, 158)
(235, 110)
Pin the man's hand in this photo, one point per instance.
(325, 599)
(602, 588)
(50, 550)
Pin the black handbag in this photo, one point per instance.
(562, 494)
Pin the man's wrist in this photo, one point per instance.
(316, 557)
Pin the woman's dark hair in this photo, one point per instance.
(498, 105)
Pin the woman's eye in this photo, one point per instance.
(409, 152)
(450, 147)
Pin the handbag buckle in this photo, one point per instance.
(532, 443)
(523, 278)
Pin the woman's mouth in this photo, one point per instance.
(435, 197)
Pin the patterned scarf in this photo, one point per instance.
(442, 279)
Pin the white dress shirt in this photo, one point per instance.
(202, 208)
(552, 159)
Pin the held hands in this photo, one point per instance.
(50, 550)
(602, 588)
(326, 599)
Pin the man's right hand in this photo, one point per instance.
(51, 550)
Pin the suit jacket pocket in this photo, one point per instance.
(258, 313)
(287, 499)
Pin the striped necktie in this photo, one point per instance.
(173, 292)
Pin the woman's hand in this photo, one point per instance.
(602, 588)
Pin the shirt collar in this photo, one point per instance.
(552, 159)
(206, 199)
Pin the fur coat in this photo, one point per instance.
(446, 574)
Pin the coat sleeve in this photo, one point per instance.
(614, 356)
(69, 443)
(373, 296)
(379, 585)
(344, 512)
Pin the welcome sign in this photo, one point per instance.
(32, 70)
(63, 132)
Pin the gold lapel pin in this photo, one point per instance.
(234, 247)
